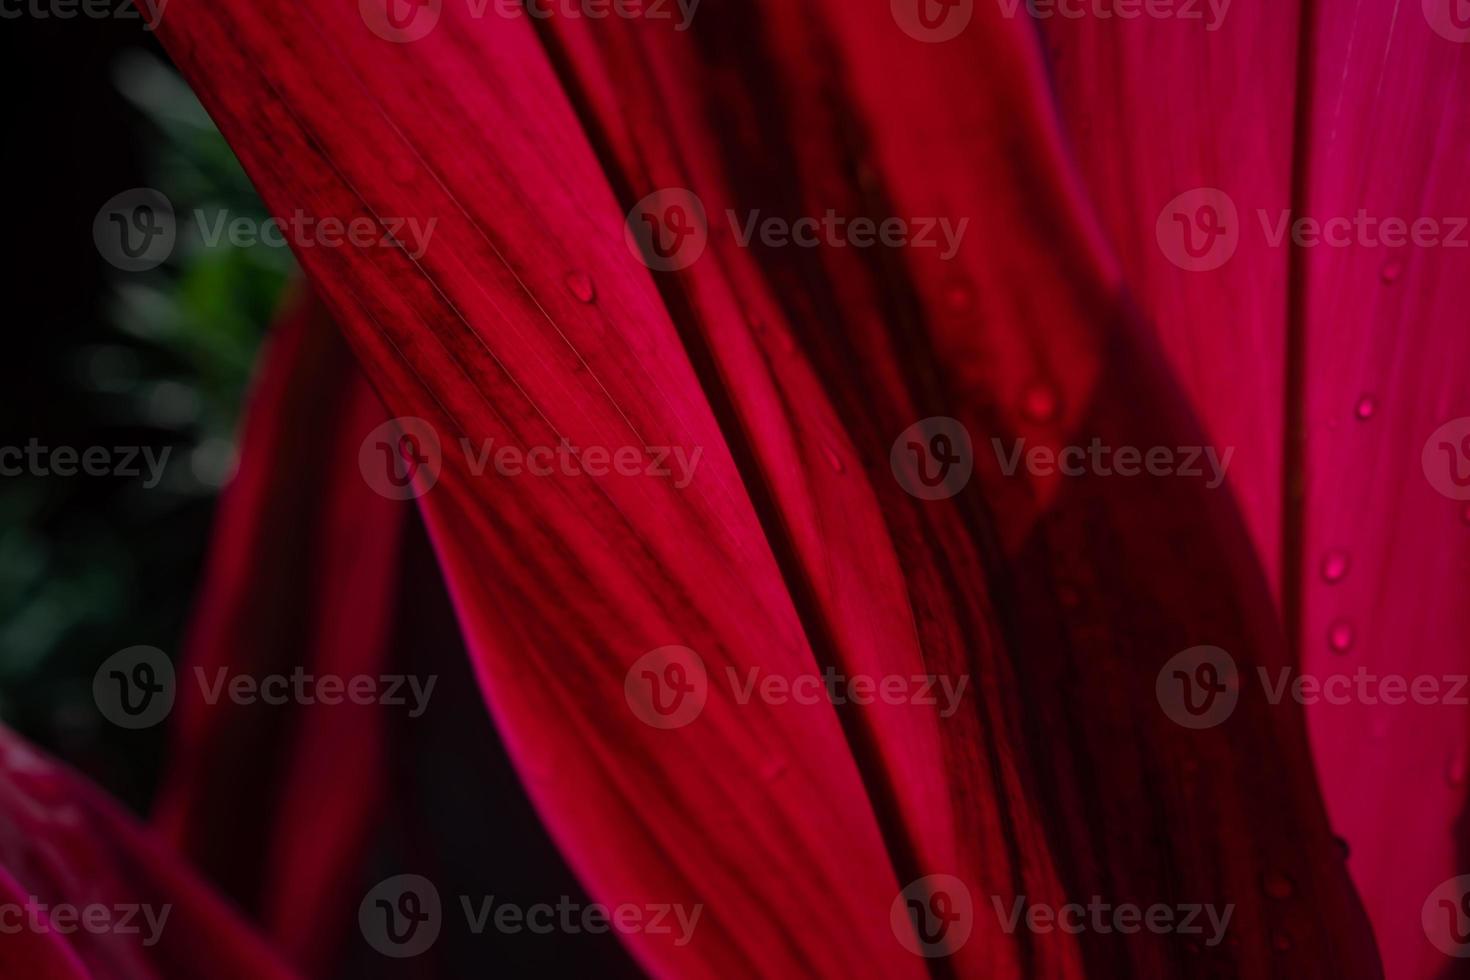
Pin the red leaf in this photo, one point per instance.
(524, 318)
(276, 802)
(88, 893)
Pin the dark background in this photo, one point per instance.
(100, 357)
(92, 565)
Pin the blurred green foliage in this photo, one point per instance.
(89, 565)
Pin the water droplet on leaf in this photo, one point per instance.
(1457, 768)
(1334, 566)
(958, 298)
(581, 286)
(1039, 403)
(833, 460)
(1277, 885)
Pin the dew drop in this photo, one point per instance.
(581, 286)
(1367, 405)
(1457, 768)
(958, 298)
(1392, 269)
(1277, 885)
(1334, 566)
(833, 460)
(1281, 942)
(1340, 636)
(1039, 403)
